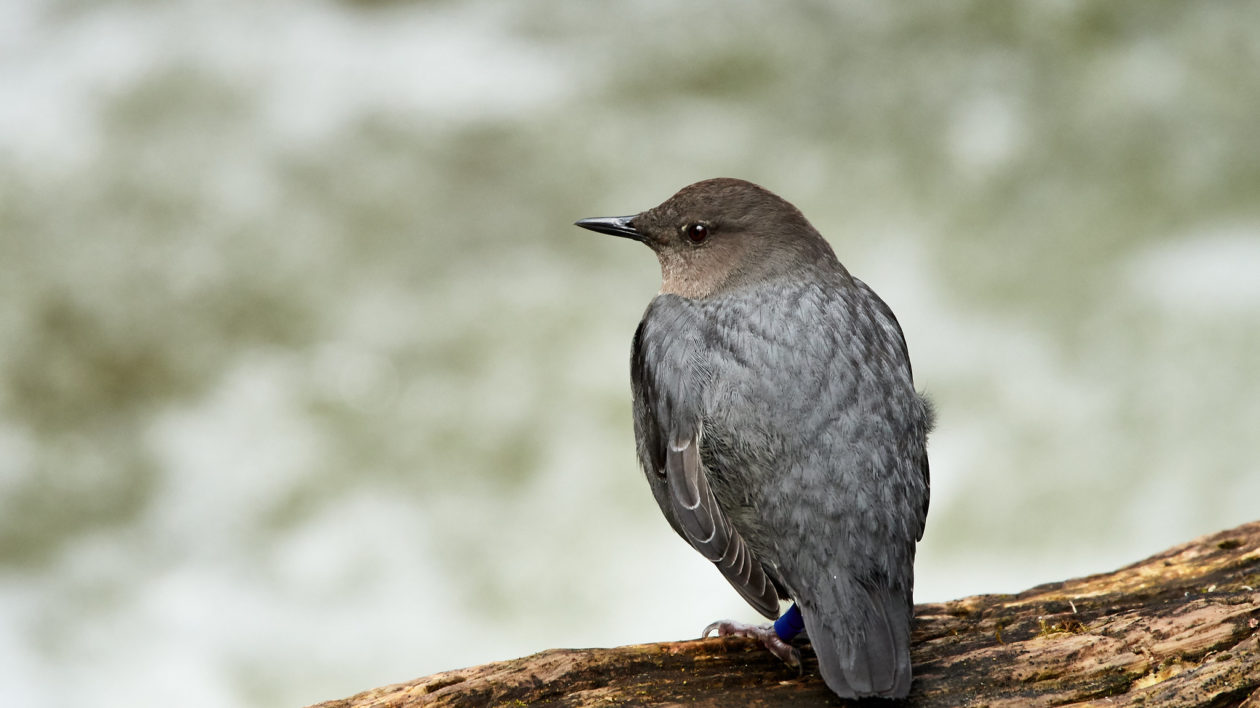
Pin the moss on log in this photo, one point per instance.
(1177, 629)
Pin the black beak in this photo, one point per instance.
(612, 225)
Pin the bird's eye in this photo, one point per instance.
(697, 233)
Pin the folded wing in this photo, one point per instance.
(669, 429)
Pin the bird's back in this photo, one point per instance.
(814, 446)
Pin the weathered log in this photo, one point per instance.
(1177, 629)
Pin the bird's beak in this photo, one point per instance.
(613, 225)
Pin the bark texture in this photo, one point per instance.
(1177, 629)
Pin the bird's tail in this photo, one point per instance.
(863, 644)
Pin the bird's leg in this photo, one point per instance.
(774, 637)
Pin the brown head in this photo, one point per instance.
(721, 233)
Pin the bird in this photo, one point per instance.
(778, 425)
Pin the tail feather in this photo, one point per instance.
(863, 648)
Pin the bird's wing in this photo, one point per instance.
(669, 427)
(928, 417)
(706, 528)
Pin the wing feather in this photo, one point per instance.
(669, 428)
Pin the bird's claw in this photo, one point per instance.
(762, 633)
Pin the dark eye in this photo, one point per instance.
(697, 233)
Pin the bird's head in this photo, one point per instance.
(720, 234)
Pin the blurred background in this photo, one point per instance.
(307, 383)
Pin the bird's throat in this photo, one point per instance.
(699, 272)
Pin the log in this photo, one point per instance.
(1176, 629)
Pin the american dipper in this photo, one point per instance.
(779, 428)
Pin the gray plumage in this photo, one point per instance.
(778, 424)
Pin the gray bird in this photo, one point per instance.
(779, 428)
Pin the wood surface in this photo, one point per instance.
(1176, 629)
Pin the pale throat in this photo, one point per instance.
(698, 272)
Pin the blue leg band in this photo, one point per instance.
(790, 624)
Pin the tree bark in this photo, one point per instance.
(1177, 629)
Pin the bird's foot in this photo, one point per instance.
(762, 633)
